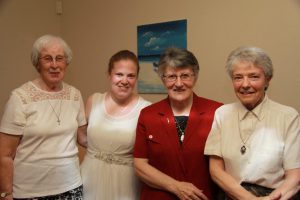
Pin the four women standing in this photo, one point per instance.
(38, 153)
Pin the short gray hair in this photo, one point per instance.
(46, 40)
(177, 58)
(254, 55)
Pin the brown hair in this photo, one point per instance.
(123, 55)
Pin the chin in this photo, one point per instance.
(124, 95)
(180, 98)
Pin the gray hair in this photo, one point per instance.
(44, 42)
(254, 55)
(177, 58)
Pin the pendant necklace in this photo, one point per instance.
(57, 114)
(181, 132)
(243, 148)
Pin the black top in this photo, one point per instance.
(181, 122)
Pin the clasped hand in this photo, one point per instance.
(187, 191)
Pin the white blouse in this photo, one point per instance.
(270, 134)
(46, 161)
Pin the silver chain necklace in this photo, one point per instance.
(243, 148)
(57, 114)
(179, 129)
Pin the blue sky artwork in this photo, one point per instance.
(153, 39)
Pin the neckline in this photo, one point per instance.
(258, 111)
(122, 116)
(48, 92)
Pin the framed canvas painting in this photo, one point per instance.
(153, 39)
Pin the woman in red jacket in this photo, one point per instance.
(171, 134)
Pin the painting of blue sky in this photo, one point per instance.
(153, 39)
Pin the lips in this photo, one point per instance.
(178, 90)
(123, 87)
(246, 92)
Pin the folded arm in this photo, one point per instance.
(232, 188)
(290, 186)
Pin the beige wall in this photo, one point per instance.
(21, 22)
(95, 29)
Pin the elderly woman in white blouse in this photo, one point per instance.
(38, 152)
(254, 144)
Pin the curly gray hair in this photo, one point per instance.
(254, 55)
(46, 40)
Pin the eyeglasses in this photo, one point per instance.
(49, 59)
(173, 77)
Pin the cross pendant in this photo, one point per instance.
(58, 121)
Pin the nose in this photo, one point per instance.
(178, 82)
(246, 83)
(54, 63)
(124, 80)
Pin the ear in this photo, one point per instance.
(38, 68)
(108, 77)
(268, 79)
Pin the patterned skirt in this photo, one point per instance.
(75, 194)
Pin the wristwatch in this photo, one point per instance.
(4, 194)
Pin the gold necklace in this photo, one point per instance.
(56, 114)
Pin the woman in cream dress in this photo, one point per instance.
(107, 169)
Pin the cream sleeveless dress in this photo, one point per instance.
(107, 169)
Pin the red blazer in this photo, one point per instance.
(157, 140)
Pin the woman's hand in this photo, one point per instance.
(270, 197)
(8, 197)
(187, 191)
(156, 179)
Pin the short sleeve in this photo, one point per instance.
(213, 142)
(140, 146)
(14, 117)
(292, 143)
(81, 119)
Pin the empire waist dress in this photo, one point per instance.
(107, 170)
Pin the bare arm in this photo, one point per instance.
(82, 136)
(290, 186)
(82, 130)
(8, 147)
(228, 183)
(156, 179)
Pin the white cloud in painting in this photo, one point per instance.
(156, 48)
(147, 34)
(166, 33)
(152, 41)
